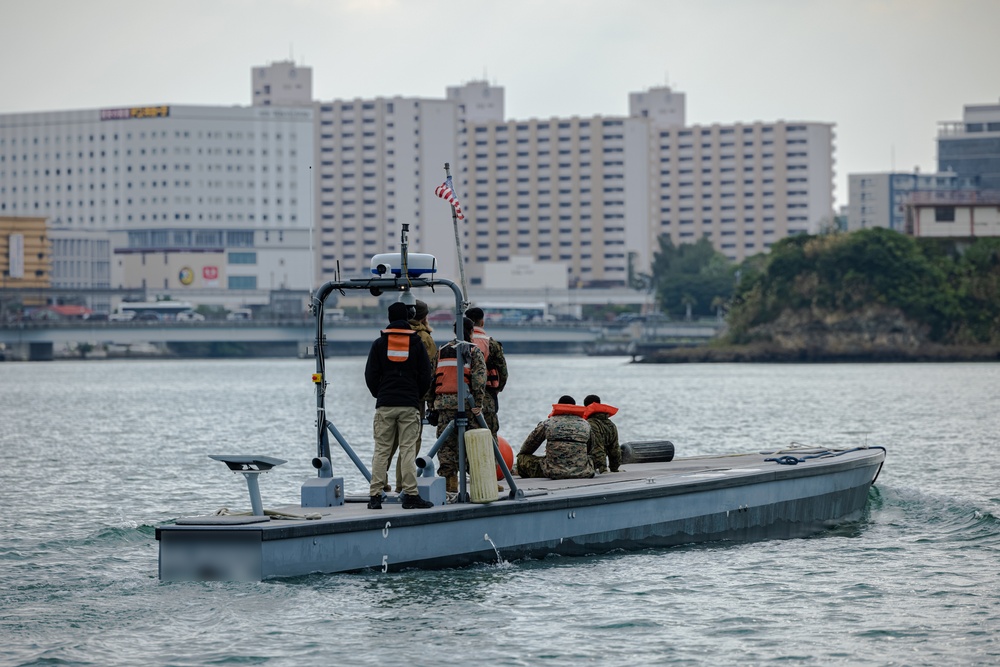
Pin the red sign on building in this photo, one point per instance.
(210, 272)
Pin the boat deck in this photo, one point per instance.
(634, 477)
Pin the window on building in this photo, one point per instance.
(242, 258)
(944, 214)
(242, 282)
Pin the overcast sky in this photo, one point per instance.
(884, 71)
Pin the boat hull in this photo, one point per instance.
(740, 498)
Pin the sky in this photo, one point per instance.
(884, 72)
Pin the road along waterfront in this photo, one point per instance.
(46, 340)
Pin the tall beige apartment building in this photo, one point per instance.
(596, 193)
(591, 194)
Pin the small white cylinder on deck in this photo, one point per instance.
(482, 465)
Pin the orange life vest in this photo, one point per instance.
(565, 409)
(594, 408)
(398, 347)
(481, 339)
(445, 379)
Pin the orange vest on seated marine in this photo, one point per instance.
(598, 408)
(566, 409)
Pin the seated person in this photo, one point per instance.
(604, 447)
(566, 434)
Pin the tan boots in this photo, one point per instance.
(451, 484)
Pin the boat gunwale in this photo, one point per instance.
(571, 498)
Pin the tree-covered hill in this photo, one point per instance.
(871, 294)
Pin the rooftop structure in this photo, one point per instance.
(282, 84)
(971, 147)
(958, 214)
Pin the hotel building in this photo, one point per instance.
(210, 204)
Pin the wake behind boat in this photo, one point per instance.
(658, 501)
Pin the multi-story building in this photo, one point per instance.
(957, 214)
(378, 162)
(597, 192)
(210, 203)
(562, 190)
(879, 199)
(25, 261)
(229, 202)
(592, 194)
(744, 186)
(971, 147)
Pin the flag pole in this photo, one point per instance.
(458, 242)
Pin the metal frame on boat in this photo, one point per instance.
(773, 494)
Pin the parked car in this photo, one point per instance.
(122, 316)
(240, 314)
(442, 316)
(147, 316)
(190, 316)
(96, 317)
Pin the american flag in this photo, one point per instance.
(447, 192)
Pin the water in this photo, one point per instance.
(95, 454)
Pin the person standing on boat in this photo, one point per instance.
(565, 434)
(444, 395)
(496, 367)
(398, 374)
(603, 446)
(419, 324)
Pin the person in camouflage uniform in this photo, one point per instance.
(496, 368)
(419, 324)
(444, 397)
(565, 433)
(603, 447)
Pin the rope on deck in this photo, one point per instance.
(274, 514)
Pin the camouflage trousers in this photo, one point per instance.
(448, 453)
(490, 413)
(598, 456)
(492, 423)
(529, 465)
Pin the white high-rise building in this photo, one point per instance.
(379, 161)
(207, 203)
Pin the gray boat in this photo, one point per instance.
(659, 501)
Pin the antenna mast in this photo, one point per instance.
(458, 241)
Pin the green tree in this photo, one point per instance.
(953, 290)
(688, 278)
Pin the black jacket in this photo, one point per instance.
(398, 383)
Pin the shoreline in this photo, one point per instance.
(771, 353)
